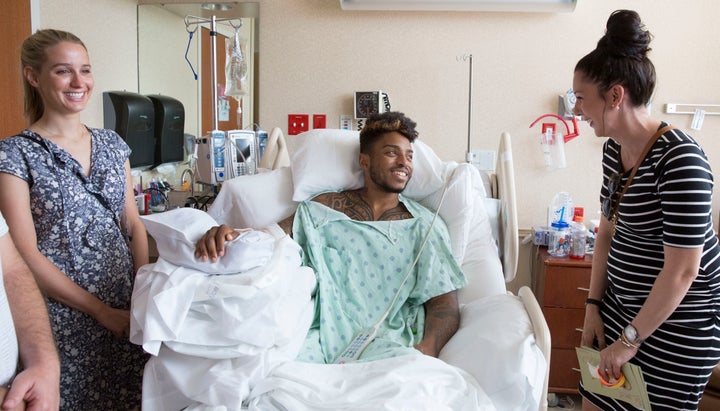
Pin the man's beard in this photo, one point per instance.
(376, 178)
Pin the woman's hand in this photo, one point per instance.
(212, 244)
(115, 320)
(593, 327)
(613, 358)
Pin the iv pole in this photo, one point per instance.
(213, 57)
(469, 155)
(470, 103)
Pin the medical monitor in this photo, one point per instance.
(244, 144)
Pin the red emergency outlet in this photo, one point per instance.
(319, 121)
(298, 123)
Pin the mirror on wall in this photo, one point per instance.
(174, 59)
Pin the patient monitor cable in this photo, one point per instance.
(366, 335)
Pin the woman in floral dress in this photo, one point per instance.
(68, 200)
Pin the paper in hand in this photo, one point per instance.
(632, 391)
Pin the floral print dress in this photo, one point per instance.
(77, 222)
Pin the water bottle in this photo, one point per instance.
(561, 209)
(561, 213)
(558, 243)
(578, 234)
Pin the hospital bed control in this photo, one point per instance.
(357, 345)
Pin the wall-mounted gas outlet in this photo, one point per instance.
(319, 121)
(345, 122)
(298, 123)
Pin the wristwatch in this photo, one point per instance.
(631, 334)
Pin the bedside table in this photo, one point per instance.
(561, 286)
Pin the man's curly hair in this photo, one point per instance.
(378, 124)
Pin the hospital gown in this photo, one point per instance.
(359, 266)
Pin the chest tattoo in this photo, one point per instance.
(352, 205)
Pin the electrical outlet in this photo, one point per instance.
(319, 121)
(482, 159)
(298, 123)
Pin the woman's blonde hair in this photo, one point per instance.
(33, 55)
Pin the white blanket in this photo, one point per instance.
(227, 342)
(416, 382)
(213, 335)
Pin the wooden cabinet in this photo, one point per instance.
(561, 286)
(14, 28)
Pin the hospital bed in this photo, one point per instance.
(224, 335)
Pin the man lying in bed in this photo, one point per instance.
(361, 244)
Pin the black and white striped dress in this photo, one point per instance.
(667, 204)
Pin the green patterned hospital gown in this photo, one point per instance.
(359, 266)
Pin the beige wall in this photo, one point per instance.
(109, 30)
(314, 55)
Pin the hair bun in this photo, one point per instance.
(626, 36)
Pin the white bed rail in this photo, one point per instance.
(542, 334)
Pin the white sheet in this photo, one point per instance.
(221, 342)
(220, 316)
(216, 349)
(213, 335)
(496, 345)
(402, 383)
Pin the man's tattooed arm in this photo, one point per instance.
(442, 319)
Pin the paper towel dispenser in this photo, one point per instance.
(169, 129)
(132, 116)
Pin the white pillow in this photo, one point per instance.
(473, 245)
(327, 160)
(177, 231)
(456, 209)
(495, 343)
(429, 172)
(481, 264)
(255, 200)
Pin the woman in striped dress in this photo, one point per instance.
(654, 297)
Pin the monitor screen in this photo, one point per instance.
(242, 145)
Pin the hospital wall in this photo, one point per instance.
(313, 56)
